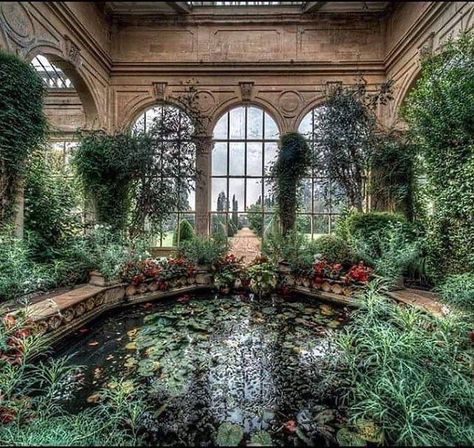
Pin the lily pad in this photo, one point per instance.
(131, 346)
(260, 438)
(326, 310)
(345, 437)
(229, 435)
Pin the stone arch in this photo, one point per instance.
(406, 87)
(77, 76)
(234, 103)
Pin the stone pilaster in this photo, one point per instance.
(204, 145)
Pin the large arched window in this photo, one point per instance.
(320, 205)
(174, 128)
(245, 144)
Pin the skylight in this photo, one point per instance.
(53, 77)
(245, 3)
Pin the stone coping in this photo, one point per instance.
(60, 315)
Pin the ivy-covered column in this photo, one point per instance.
(204, 146)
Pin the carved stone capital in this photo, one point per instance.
(246, 90)
(160, 90)
(426, 49)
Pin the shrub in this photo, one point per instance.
(23, 125)
(458, 290)
(186, 232)
(204, 250)
(409, 373)
(50, 206)
(333, 249)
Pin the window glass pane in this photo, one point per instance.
(254, 192)
(320, 197)
(270, 223)
(271, 128)
(254, 159)
(237, 123)
(218, 224)
(236, 194)
(306, 125)
(219, 159)
(219, 195)
(167, 231)
(320, 225)
(237, 159)
(306, 195)
(271, 150)
(269, 197)
(220, 131)
(254, 123)
(303, 224)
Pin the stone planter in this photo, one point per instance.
(97, 279)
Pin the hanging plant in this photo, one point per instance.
(291, 166)
(23, 125)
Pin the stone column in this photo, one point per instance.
(204, 145)
(19, 214)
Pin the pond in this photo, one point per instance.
(221, 369)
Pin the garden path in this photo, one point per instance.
(245, 244)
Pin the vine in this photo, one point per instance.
(23, 125)
(291, 166)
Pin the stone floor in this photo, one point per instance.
(245, 244)
(424, 300)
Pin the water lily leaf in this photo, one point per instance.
(334, 324)
(130, 362)
(345, 437)
(131, 346)
(260, 438)
(132, 333)
(229, 434)
(326, 310)
(369, 431)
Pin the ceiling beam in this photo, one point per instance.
(180, 7)
(312, 6)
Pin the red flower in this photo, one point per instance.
(290, 426)
(359, 273)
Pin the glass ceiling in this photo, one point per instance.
(53, 77)
(246, 3)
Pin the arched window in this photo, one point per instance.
(245, 144)
(172, 128)
(320, 206)
(53, 77)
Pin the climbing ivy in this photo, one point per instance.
(440, 113)
(291, 166)
(23, 125)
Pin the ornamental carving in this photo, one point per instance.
(426, 49)
(17, 19)
(246, 90)
(159, 90)
(72, 53)
(290, 102)
(331, 86)
(205, 100)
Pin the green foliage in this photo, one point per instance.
(393, 184)
(23, 125)
(186, 232)
(345, 136)
(255, 217)
(50, 206)
(103, 165)
(263, 276)
(34, 395)
(409, 372)
(458, 290)
(204, 250)
(439, 111)
(291, 166)
(333, 249)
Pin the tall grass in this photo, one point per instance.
(409, 372)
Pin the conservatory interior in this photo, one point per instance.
(236, 223)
